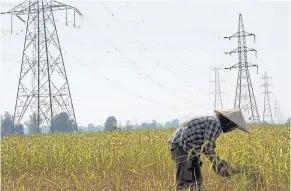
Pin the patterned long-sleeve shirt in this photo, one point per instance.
(196, 131)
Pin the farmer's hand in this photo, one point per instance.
(222, 168)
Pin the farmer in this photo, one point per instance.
(197, 135)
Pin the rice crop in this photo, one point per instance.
(140, 160)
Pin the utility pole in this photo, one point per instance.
(267, 114)
(43, 85)
(244, 96)
(217, 93)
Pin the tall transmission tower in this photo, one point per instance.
(217, 93)
(244, 96)
(277, 117)
(267, 114)
(43, 85)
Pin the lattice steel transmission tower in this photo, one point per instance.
(267, 113)
(244, 96)
(277, 117)
(47, 93)
(217, 93)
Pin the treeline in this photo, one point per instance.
(62, 123)
(111, 124)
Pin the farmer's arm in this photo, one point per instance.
(210, 135)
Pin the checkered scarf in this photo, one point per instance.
(193, 133)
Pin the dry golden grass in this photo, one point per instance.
(139, 160)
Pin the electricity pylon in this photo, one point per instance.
(278, 115)
(217, 93)
(267, 113)
(244, 96)
(47, 94)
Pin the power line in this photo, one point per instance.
(142, 22)
(146, 76)
(120, 63)
(158, 64)
(172, 72)
(151, 79)
(140, 96)
(165, 46)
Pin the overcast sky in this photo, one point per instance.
(145, 60)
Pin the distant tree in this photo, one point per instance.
(32, 124)
(175, 123)
(153, 124)
(144, 125)
(128, 125)
(168, 124)
(45, 129)
(136, 126)
(81, 130)
(74, 125)
(19, 129)
(7, 124)
(63, 123)
(1, 122)
(159, 125)
(91, 128)
(110, 124)
(288, 120)
(99, 128)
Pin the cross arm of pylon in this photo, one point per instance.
(232, 36)
(28, 7)
(247, 65)
(250, 34)
(237, 34)
(231, 52)
(251, 50)
(69, 7)
(18, 8)
(245, 49)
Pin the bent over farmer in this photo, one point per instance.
(196, 135)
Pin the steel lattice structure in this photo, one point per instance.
(43, 85)
(244, 96)
(217, 93)
(267, 113)
(277, 117)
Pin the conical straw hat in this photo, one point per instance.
(236, 116)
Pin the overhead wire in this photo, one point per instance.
(149, 77)
(140, 96)
(157, 63)
(142, 22)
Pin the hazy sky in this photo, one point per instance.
(160, 50)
